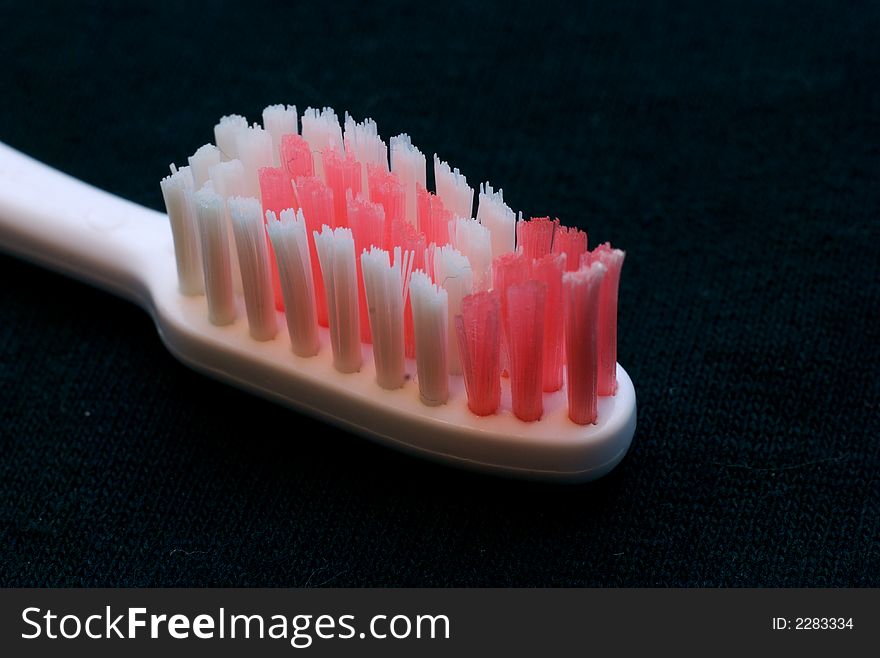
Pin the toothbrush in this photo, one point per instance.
(492, 341)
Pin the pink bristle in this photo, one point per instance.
(612, 259)
(316, 200)
(433, 217)
(478, 331)
(508, 270)
(573, 243)
(580, 301)
(343, 175)
(387, 190)
(548, 270)
(276, 194)
(535, 237)
(408, 238)
(367, 223)
(524, 328)
(296, 158)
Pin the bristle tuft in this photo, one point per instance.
(214, 235)
(548, 270)
(497, 216)
(580, 301)
(525, 332)
(278, 121)
(177, 191)
(336, 256)
(612, 259)
(452, 187)
(291, 244)
(453, 273)
(429, 311)
(408, 163)
(478, 327)
(384, 290)
(253, 258)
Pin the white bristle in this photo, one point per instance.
(201, 162)
(430, 305)
(213, 232)
(453, 272)
(279, 120)
(227, 179)
(290, 240)
(226, 135)
(322, 131)
(453, 190)
(177, 190)
(254, 151)
(497, 216)
(336, 256)
(408, 163)
(363, 142)
(253, 257)
(474, 241)
(384, 289)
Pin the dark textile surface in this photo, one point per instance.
(731, 149)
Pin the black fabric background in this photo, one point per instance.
(730, 148)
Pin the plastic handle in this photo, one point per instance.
(61, 223)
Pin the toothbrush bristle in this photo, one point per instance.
(535, 237)
(200, 164)
(214, 236)
(343, 173)
(177, 191)
(573, 243)
(337, 260)
(310, 217)
(548, 270)
(612, 259)
(253, 257)
(580, 302)
(452, 271)
(255, 151)
(410, 240)
(387, 190)
(322, 132)
(478, 329)
(497, 216)
(316, 201)
(226, 135)
(473, 240)
(524, 328)
(433, 217)
(362, 141)
(384, 289)
(291, 245)
(429, 311)
(296, 158)
(452, 188)
(278, 121)
(408, 163)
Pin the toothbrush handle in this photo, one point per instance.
(59, 222)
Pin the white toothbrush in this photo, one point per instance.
(61, 223)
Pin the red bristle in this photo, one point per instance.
(524, 328)
(478, 331)
(387, 190)
(408, 238)
(573, 243)
(507, 270)
(535, 237)
(548, 270)
(433, 217)
(343, 175)
(367, 223)
(612, 259)
(296, 157)
(316, 200)
(580, 301)
(276, 195)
